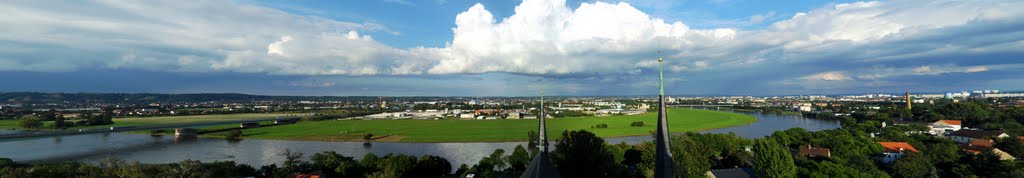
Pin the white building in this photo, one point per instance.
(891, 151)
(966, 135)
(942, 126)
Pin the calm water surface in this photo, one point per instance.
(148, 149)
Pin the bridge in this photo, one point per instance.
(34, 135)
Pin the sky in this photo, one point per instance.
(511, 47)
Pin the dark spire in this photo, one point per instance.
(543, 126)
(663, 162)
(541, 166)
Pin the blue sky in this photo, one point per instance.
(512, 48)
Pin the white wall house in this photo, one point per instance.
(966, 135)
(942, 126)
(891, 151)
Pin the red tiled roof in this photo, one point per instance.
(951, 122)
(894, 147)
(981, 143)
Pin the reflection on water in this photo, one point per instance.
(149, 149)
(766, 124)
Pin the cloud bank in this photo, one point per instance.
(876, 40)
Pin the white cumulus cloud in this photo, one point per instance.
(541, 37)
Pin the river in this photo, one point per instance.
(149, 149)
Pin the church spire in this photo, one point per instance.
(541, 165)
(543, 126)
(663, 162)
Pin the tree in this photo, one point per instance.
(4, 162)
(370, 162)
(336, 165)
(518, 160)
(30, 122)
(810, 168)
(533, 141)
(399, 164)
(293, 162)
(234, 134)
(692, 159)
(939, 150)
(771, 160)
(912, 165)
(432, 166)
(368, 137)
(582, 154)
(970, 113)
(491, 166)
(58, 122)
(187, 169)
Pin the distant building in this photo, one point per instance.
(895, 150)
(805, 108)
(812, 152)
(978, 146)
(966, 135)
(732, 173)
(515, 115)
(942, 126)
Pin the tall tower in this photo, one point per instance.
(907, 96)
(663, 162)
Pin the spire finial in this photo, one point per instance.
(661, 78)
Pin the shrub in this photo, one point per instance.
(234, 134)
(637, 124)
(368, 137)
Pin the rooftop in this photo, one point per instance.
(897, 147)
(978, 134)
(951, 122)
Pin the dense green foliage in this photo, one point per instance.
(772, 160)
(30, 122)
(583, 154)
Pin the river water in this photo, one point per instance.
(148, 149)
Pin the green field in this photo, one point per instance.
(130, 121)
(8, 124)
(680, 120)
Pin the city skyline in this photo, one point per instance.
(512, 48)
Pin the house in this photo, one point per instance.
(895, 150)
(732, 173)
(812, 152)
(942, 126)
(966, 135)
(515, 115)
(977, 146)
(485, 111)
